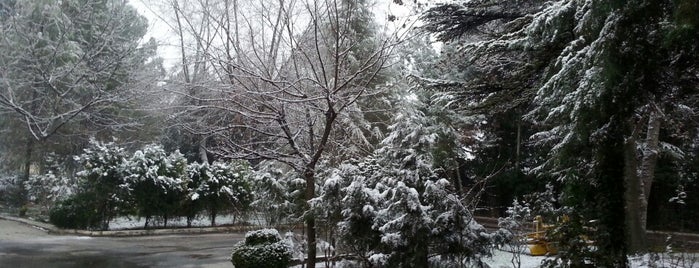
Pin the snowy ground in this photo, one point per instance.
(503, 259)
(123, 223)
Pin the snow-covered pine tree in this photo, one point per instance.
(482, 66)
(415, 216)
(155, 182)
(55, 185)
(603, 72)
(279, 194)
(221, 187)
(101, 179)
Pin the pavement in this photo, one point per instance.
(118, 233)
(27, 243)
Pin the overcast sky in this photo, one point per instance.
(167, 40)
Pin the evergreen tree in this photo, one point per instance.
(603, 73)
(221, 187)
(155, 182)
(101, 180)
(395, 208)
(67, 69)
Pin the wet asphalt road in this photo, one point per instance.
(42, 250)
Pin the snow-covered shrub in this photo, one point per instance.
(279, 195)
(102, 177)
(262, 248)
(9, 188)
(155, 182)
(220, 187)
(513, 229)
(54, 185)
(47, 189)
(262, 236)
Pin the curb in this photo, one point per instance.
(49, 228)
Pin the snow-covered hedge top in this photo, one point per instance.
(262, 236)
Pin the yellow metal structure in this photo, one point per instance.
(538, 243)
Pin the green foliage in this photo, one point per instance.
(151, 183)
(589, 71)
(278, 193)
(69, 68)
(102, 177)
(220, 187)
(396, 209)
(572, 240)
(156, 181)
(76, 212)
(260, 237)
(261, 249)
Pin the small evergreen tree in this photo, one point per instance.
(278, 194)
(155, 182)
(53, 186)
(222, 187)
(102, 178)
(416, 218)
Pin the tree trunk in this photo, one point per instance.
(421, 251)
(26, 172)
(635, 233)
(458, 182)
(651, 147)
(309, 175)
(607, 203)
(213, 217)
(202, 151)
(518, 150)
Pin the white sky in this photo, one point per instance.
(168, 48)
(159, 30)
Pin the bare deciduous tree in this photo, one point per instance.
(285, 78)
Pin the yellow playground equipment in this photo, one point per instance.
(537, 241)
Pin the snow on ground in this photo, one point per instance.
(123, 223)
(503, 259)
(500, 259)
(665, 260)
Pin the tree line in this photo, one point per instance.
(150, 184)
(353, 125)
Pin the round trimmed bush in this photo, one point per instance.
(262, 236)
(261, 249)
